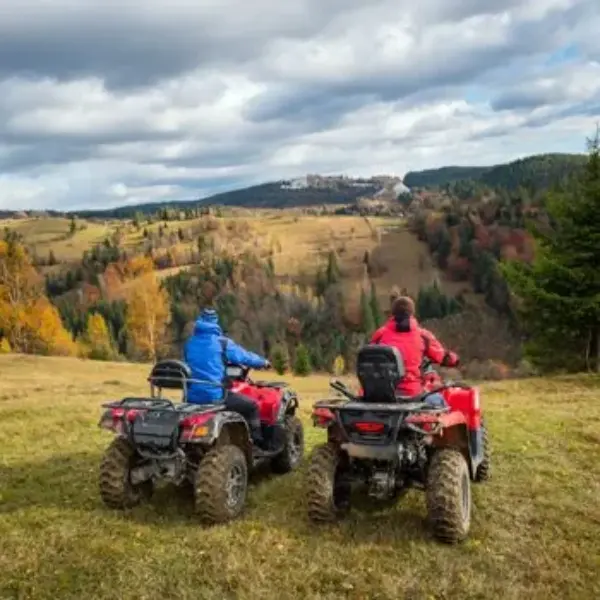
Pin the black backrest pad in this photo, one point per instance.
(170, 374)
(379, 370)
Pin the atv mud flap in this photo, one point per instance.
(476, 446)
(371, 452)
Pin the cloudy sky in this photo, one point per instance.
(105, 103)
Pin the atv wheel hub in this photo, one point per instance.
(465, 497)
(234, 486)
(294, 447)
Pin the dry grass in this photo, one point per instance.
(535, 530)
(51, 233)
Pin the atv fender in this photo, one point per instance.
(289, 404)
(455, 434)
(232, 429)
(226, 427)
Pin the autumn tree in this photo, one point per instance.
(47, 332)
(147, 316)
(29, 322)
(98, 341)
(19, 287)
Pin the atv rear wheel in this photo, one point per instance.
(116, 489)
(293, 449)
(483, 471)
(327, 486)
(221, 484)
(448, 496)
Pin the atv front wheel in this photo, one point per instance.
(327, 486)
(448, 496)
(116, 489)
(221, 484)
(293, 449)
(484, 469)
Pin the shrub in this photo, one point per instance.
(279, 359)
(339, 365)
(302, 366)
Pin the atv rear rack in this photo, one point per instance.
(399, 407)
(161, 404)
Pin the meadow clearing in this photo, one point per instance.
(535, 532)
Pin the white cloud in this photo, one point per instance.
(153, 100)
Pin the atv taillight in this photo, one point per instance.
(132, 413)
(426, 423)
(195, 427)
(322, 417)
(113, 420)
(369, 427)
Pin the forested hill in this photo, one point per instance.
(534, 172)
(267, 195)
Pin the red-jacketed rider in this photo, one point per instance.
(403, 332)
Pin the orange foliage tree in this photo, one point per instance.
(147, 316)
(47, 331)
(28, 321)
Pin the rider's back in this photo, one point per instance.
(204, 355)
(207, 351)
(405, 336)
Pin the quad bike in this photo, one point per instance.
(202, 446)
(391, 443)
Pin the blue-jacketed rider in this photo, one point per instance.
(204, 352)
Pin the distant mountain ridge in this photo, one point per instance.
(539, 171)
(536, 172)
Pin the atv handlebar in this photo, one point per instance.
(338, 386)
(445, 386)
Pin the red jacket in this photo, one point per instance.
(413, 343)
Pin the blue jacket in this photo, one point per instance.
(203, 352)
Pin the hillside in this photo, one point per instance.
(533, 534)
(537, 172)
(279, 194)
(300, 242)
(442, 176)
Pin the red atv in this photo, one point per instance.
(391, 443)
(199, 444)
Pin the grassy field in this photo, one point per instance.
(536, 529)
(52, 233)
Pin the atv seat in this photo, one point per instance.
(380, 369)
(276, 385)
